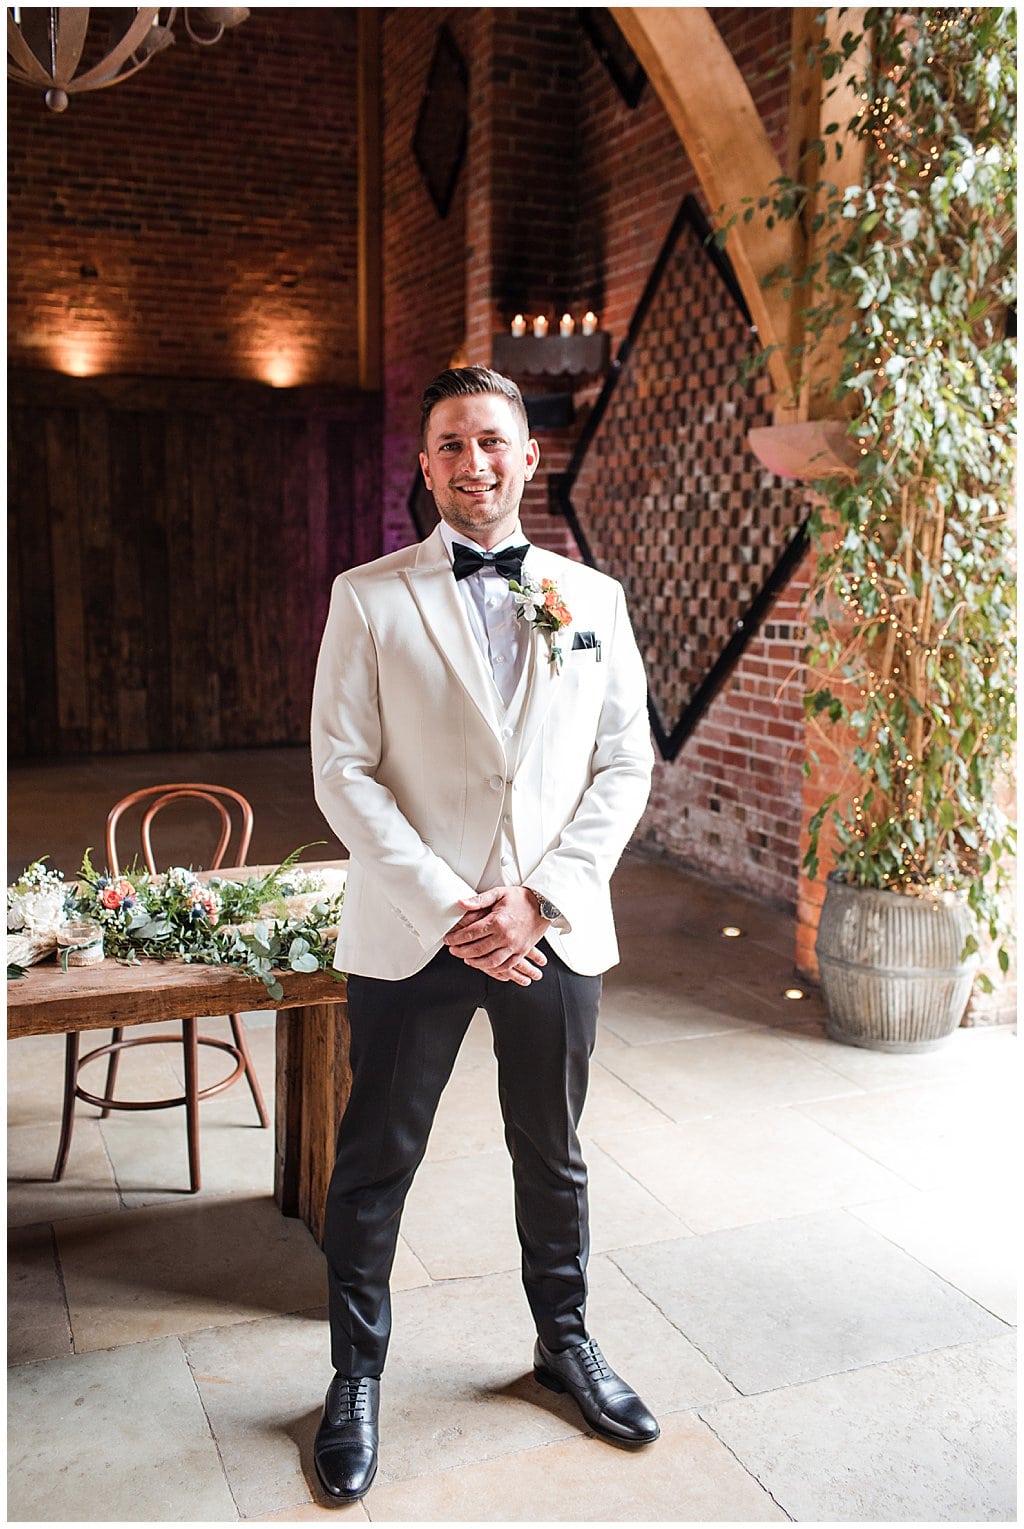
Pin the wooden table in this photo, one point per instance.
(312, 1070)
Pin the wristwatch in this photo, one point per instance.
(545, 908)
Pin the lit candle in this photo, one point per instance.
(566, 326)
(540, 326)
(518, 326)
(589, 322)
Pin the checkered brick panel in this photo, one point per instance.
(669, 495)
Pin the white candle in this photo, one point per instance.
(589, 322)
(518, 326)
(566, 326)
(540, 326)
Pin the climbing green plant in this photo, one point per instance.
(912, 652)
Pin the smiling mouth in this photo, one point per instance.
(476, 488)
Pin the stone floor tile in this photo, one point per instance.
(623, 1212)
(35, 1078)
(776, 1010)
(969, 1237)
(976, 1052)
(642, 1012)
(481, 1238)
(149, 1151)
(457, 1389)
(925, 1439)
(735, 1170)
(300, 1514)
(174, 1269)
(459, 1386)
(724, 1074)
(407, 1272)
(37, 1316)
(468, 1118)
(459, 1218)
(686, 1476)
(263, 1385)
(642, 1345)
(616, 1106)
(787, 1301)
(88, 1187)
(118, 1435)
(935, 1135)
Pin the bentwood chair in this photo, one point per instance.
(235, 820)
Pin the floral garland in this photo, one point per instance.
(541, 606)
(285, 920)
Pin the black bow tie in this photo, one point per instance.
(509, 562)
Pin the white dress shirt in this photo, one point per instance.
(499, 634)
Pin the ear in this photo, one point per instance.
(532, 458)
(424, 470)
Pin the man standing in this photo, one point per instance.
(481, 746)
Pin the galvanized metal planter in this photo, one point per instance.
(891, 972)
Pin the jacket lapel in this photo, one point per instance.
(432, 586)
(544, 677)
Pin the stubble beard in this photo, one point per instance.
(470, 520)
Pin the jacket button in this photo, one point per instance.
(496, 783)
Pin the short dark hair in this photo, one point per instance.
(466, 382)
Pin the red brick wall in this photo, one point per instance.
(197, 220)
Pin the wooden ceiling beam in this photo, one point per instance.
(707, 100)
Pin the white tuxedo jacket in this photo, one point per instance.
(410, 770)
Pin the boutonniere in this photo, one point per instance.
(540, 604)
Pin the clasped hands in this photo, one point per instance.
(498, 935)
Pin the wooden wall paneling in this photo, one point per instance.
(173, 546)
(27, 444)
(367, 492)
(228, 653)
(264, 578)
(298, 638)
(341, 507)
(70, 646)
(183, 625)
(128, 606)
(154, 572)
(97, 534)
(275, 577)
(17, 739)
(203, 680)
(322, 566)
(240, 532)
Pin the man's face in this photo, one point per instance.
(476, 464)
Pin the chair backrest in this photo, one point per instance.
(219, 798)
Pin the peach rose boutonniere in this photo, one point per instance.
(539, 603)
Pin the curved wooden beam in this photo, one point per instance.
(707, 99)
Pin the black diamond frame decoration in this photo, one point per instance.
(439, 142)
(663, 491)
(614, 51)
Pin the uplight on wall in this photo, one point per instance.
(77, 358)
(280, 370)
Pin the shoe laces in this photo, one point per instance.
(593, 1361)
(352, 1399)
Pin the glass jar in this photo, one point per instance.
(80, 943)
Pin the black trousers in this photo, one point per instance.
(405, 1039)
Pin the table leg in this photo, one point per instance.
(313, 1084)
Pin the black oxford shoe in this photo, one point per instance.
(345, 1449)
(611, 1408)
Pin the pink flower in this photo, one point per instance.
(113, 896)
